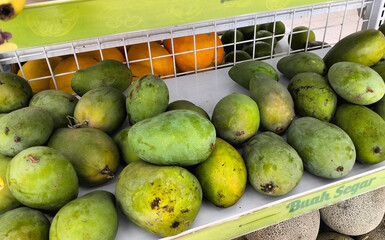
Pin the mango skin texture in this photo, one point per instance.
(15, 92)
(25, 224)
(273, 166)
(223, 175)
(301, 62)
(178, 137)
(326, 150)
(367, 130)
(92, 216)
(161, 199)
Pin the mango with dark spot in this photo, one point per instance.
(92, 152)
(275, 103)
(179, 137)
(367, 130)
(24, 128)
(236, 118)
(313, 96)
(161, 199)
(146, 97)
(326, 150)
(223, 175)
(273, 166)
(96, 209)
(102, 108)
(126, 153)
(15, 92)
(24, 223)
(42, 178)
(356, 83)
(7, 200)
(301, 62)
(241, 73)
(106, 73)
(58, 103)
(365, 47)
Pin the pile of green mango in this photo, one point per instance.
(164, 158)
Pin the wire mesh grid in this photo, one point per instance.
(199, 47)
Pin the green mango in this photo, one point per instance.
(121, 141)
(275, 103)
(236, 118)
(267, 37)
(7, 200)
(92, 216)
(15, 92)
(228, 38)
(326, 150)
(313, 96)
(147, 97)
(242, 72)
(299, 37)
(2, 115)
(261, 49)
(161, 199)
(178, 137)
(24, 128)
(58, 103)
(273, 166)
(380, 69)
(365, 47)
(223, 175)
(356, 83)
(184, 104)
(240, 55)
(24, 224)
(332, 236)
(379, 107)
(301, 62)
(93, 154)
(248, 31)
(367, 130)
(106, 73)
(102, 108)
(278, 29)
(42, 178)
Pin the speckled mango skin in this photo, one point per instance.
(25, 224)
(273, 166)
(367, 130)
(301, 62)
(356, 83)
(42, 178)
(275, 103)
(146, 97)
(332, 236)
(92, 152)
(126, 153)
(102, 108)
(161, 199)
(7, 200)
(326, 150)
(365, 47)
(223, 175)
(241, 73)
(236, 118)
(313, 96)
(24, 128)
(96, 208)
(58, 103)
(15, 92)
(178, 137)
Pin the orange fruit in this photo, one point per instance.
(69, 65)
(162, 66)
(108, 53)
(205, 58)
(139, 70)
(37, 69)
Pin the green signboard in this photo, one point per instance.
(64, 21)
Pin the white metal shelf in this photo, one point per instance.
(205, 90)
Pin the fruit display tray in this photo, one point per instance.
(253, 210)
